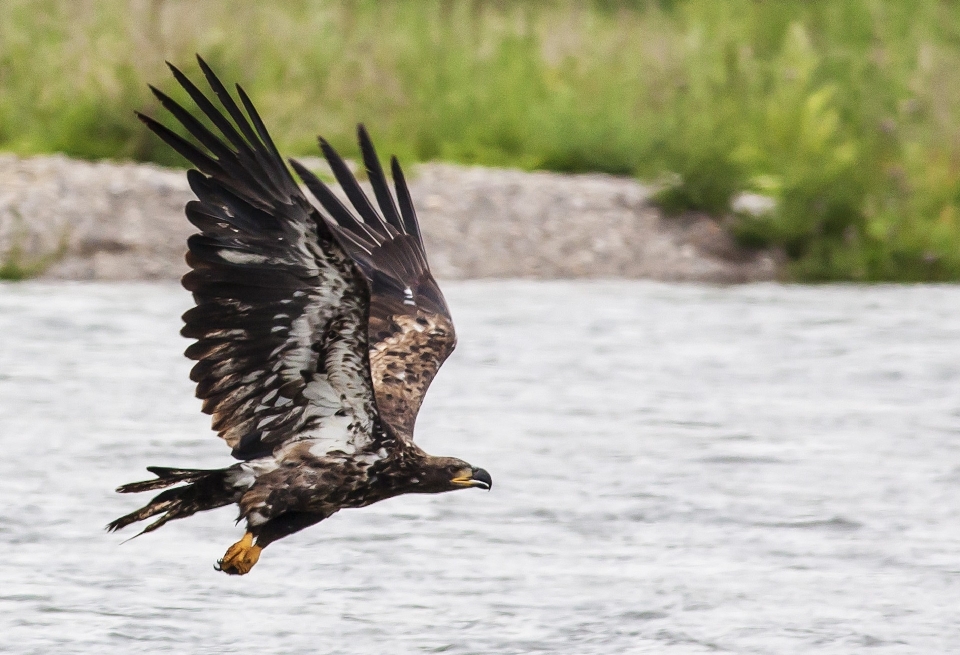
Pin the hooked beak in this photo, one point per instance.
(474, 478)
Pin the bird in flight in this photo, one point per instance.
(318, 330)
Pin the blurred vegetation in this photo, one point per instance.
(846, 112)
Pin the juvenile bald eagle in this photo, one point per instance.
(318, 331)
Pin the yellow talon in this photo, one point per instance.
(240, 557)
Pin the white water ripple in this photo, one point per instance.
(677, 469)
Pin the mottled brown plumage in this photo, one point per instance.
(406, 352)
(318, 331)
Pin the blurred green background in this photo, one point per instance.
(844, 111)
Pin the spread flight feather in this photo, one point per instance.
(318, 330)
(282, 348)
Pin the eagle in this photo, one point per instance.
(318, 328)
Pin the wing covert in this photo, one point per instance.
(410, 330)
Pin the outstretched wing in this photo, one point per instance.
(410, 329)
(280, 316)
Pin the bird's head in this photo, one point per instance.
(438, 474)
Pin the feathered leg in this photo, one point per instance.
(241, 556)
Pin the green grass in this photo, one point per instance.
(15, 265)
(846, 111)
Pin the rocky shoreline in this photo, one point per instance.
(77, 220)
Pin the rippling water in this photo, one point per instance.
(678, 469)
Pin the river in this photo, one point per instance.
(677, 469)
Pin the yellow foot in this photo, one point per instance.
(240, 557)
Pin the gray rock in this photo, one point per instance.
(98, 221)
(481, 222)
(109, 221)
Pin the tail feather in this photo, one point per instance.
(205, 489)
(166, 477)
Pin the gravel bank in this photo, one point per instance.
(108, 221)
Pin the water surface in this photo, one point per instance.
(678, 469)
